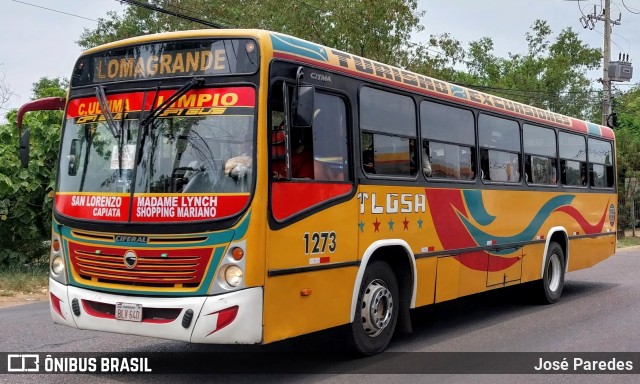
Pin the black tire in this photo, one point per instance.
(376, 312)
(550, 287)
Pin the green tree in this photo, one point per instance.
(25, 194)
(550, 75)
(627, 108)
(380, 29)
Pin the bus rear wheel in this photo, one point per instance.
(550, 287)
(377, 308)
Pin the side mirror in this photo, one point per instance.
(303, 106)
(302, 102)
(24, 148)
(46, 104)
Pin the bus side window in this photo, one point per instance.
(330, 154)
(319, 152)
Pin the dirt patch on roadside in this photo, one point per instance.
(22, 298)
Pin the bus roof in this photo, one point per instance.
(292, 48)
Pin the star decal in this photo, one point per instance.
(406, 224)
(420, 223)
(361, 226)
(391, 223)
(376, 225)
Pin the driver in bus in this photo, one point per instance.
(302, 163)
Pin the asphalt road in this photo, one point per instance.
(598, 312)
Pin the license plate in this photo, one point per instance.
(129, 312)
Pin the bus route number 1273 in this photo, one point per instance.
(319, 242)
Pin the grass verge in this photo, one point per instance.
(628, 241)
(22, 279)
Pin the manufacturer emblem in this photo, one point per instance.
(130, 259)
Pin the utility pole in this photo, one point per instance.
(588, 21)
(606, 82)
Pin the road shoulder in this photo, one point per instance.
(21, 299)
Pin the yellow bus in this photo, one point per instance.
(245, 186)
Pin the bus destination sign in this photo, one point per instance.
(163, 60)
(200, 62)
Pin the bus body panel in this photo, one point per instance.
(289, 311)
(311, 255)
(426, 270)
(587, 252)
(485, 239)
(532, 261)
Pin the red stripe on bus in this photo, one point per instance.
(290, 198)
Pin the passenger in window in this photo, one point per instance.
(426, 163)
(508, 170)
(484, 165)
(367, 161)
(241, 165)
(302, 154)
(238, 167)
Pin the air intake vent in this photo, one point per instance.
(154, 268)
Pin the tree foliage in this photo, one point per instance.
(627, 107)
(25, 194)
(382, 31)
(550, 75)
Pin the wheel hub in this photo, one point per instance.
(377, 308)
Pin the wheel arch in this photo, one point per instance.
(556, 235)
(404, 268)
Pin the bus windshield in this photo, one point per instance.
(201, 144)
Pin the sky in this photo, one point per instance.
(37, 42)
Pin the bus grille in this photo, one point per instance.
(157, 268)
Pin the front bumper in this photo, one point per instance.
(215, 321)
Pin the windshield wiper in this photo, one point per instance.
(106, 112)
(155, 112)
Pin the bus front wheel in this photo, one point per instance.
(552, 282)
(376, 311)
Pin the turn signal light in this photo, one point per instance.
(237, 253)
(55, 245)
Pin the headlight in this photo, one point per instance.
(57, 266)
(233, 275)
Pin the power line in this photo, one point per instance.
(186, 11)
(629, 9)
(172, 13)
(54, 10)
